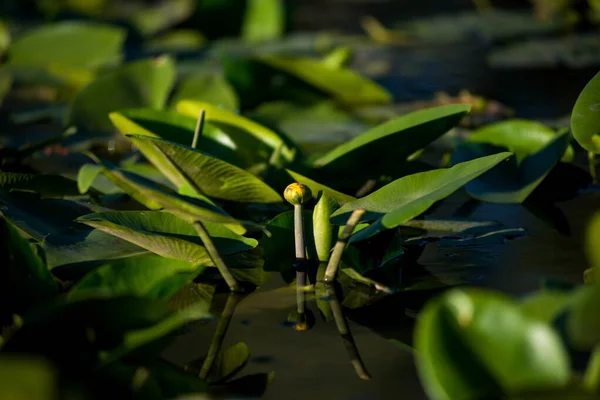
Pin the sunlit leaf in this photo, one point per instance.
(208, 88)
(264, 20)
(585, 118)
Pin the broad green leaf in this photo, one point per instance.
(264, 20)
(583, 321)
(69, 43)
(410, 196)
(45, 185)
(147, 275)
(394, 140)
(227, 120)
(143, 83)
(175, 40)
(324, 232)
(472, 344)
(27, 378)
(167, 235)
(86, 176)
(316, 187)
(151, 20)
(25, 281)
(545, 305)
(585, 120)
(228, 362)
(208, 175)
(521, 137)
(344, 85)
(208, 88)
(135, 339)
(511, 182)
(592, 238)
(233, 146)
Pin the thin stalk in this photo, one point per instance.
(340, 246)
(346, 335)
(300, 259)
(592, 166)
(216, 257)
(199, 129)
(219, 335)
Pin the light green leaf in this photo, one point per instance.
(410, 196)
(86, 176)
(344, 85)
(27, 378)
(585, 119)
(167, 235)
(583, 320)
(264, 20)
(208, 175)
(73, 44)
(473, 344)
(395, 140)
(208, 88)
(143, 83)
(178, 39)
(325, 234)
(151, 20)
(592, 239)
(545, 305)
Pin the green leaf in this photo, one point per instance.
(408, 197)
(585, 119)
(264, 20)
(511, 182)
(228, 362)
(521, 137)
(24, 279)
(316, 187)
(583, 321)
(592, 238)
(70, 43)
(147, 275)
(324, 232)
(344, 85)
(27, 378)
(86, 176)
(474, 343)
(394, 140)
(45, 185)
(209, 88)
(208, 175)
(143, 83)
(545, 305)
(175, 40)
(229, 120)
(151, 20)
(167, 235)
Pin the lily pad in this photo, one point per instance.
(585, 118)
(408, 197)
(144, 83)
(511, 182)
(475, 344)
(208, 175)
(70, 43)
(167, 235)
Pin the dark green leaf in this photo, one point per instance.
(45, 185)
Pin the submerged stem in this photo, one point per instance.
(592, 166)
(199, 129)
(219, 335)
(346, 335)
(300, 271)
(216, 258)
(340, 246)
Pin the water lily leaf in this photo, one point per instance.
(209, 175)
(27, 378)
(474, 343)
(147, 275)
(70, 43)
(24, 279)
(408, 197)
(228, 362)
(583, 323)
(264, 20)
(316, 187)
(521, 137)
(511, 182)
(208, 88)
(343, 84)
(45, 185)
(396, 139)
(167, 235)
(229, 120)
(143, 83)
(237, 148)
(585, 119)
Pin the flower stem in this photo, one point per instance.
(347, 338)
(217, 340)
(216, 258)
(199, 129)
(300, 260)
(340, 246)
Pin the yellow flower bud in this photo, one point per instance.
(297, 194)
